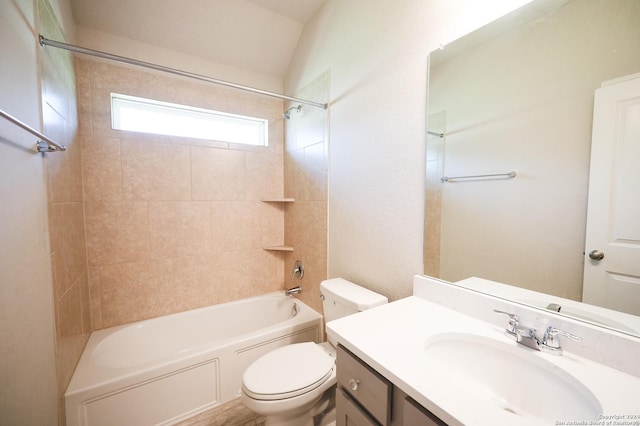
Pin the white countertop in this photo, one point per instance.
(391, 339)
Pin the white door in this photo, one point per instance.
(613, 221)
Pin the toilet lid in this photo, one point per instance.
(288, 371)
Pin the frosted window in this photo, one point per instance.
(150, 116)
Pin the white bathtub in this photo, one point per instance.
(167, 369)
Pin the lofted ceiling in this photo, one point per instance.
(254, 35)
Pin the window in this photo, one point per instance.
(150, 116)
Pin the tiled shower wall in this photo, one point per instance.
(172, 223)
(305, 180)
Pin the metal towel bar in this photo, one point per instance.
(44, 144)
(509, 175)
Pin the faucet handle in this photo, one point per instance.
(550, 339)
(514, 320)
(298, 270)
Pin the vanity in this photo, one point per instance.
(366, 398)
(442, 356)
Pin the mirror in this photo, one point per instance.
(517, 96)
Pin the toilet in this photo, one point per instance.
(292, 384)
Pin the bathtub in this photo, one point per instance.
(167, 369)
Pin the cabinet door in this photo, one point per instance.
(415, 414)
(349, 413)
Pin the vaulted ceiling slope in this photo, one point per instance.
(253, 35)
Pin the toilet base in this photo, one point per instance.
(320, 413)
(325, 409)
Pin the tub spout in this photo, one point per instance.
(293, 290)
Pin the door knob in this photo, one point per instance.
(596, 255)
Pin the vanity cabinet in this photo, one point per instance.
(363, 387)
(366, 398)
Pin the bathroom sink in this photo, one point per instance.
(507, 377)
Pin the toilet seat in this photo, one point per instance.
(287, 372)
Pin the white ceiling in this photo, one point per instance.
(254, 35)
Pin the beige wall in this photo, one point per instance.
(174, 224)
(524, 101)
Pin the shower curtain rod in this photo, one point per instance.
(83, 50)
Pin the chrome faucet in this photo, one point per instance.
(523, 335)
(527, 336)
(293, 290)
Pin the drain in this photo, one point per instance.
(510, 410)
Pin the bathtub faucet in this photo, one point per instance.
(293, 290)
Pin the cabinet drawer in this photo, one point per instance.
(415, 414)
(365, 385)
(349, 413)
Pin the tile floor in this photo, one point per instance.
(232, 413)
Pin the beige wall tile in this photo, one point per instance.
(200, 95)
(71, 337)
(69, 315)
(57, 272)
(85, 299)
(316, 168)
(116, 232)
(236, 225)
(179, 228)
(218, 174)
(272, 215)
(310, 127)
(176, 223)
(155, 171)
(265, 175)
(306, 170)
(315, 271)
(68, 242)
(83, 77)
(306, 227)
(197, 282)
(141, 290)
(102, 169)
(135, 291)
(250, 272)
(95, 301)
(64, 172)
(294, 174)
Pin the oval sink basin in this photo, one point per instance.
(509, 378)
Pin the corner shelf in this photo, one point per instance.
(279, 200)
(278, 248)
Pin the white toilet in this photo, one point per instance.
(292, 384)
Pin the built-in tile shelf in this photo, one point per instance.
(279, 200)
(278, 248)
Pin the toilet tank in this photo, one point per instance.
(341, 298)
